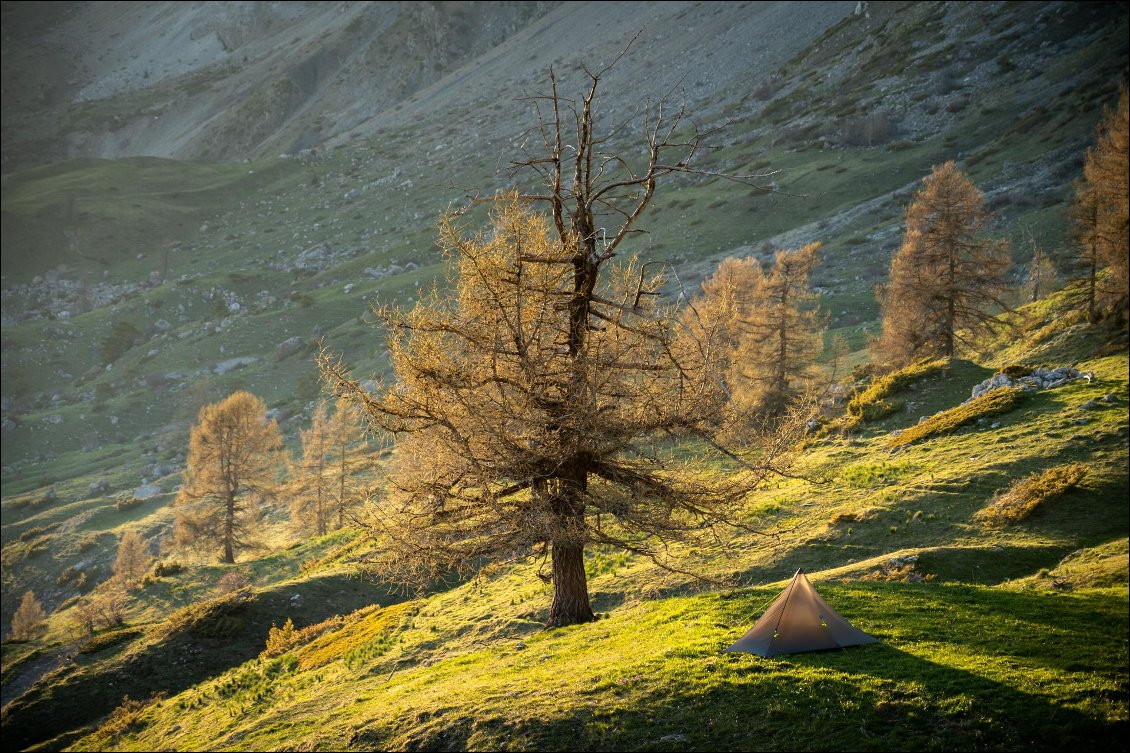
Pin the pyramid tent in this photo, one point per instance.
(799, 620)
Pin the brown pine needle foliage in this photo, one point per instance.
(946, 279)
(133, 559)
(350, 463)
(27, 621)
(536, 405)
(309, 477)
(1102, 216)
(763, 328)
(782, 334)
(327, 482)
(233, 463)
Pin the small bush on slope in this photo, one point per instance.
(989, 404)
(1026, 495)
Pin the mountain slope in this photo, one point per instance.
(980, 625)
(237, 80)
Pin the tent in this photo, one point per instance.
(799, 620)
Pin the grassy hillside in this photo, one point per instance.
(980, 625)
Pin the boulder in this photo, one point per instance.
(223, 367)
(289, 347)
(147, 491)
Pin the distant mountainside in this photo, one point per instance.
(251, 79)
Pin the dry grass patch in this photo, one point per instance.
(1026, 495)
(989, 404)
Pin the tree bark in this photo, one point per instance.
(570, 587)
(229, 531)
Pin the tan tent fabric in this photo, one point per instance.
(799, 620)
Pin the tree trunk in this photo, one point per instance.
(341, 493)
(570, 584)
(229, 531)
(951, 303)
(570, 587)
(1091, 277)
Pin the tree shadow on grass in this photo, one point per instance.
(868, 698)
(91, 686)
(982, 565)
(959, 668)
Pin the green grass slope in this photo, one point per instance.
(959, 667)
(997, 637)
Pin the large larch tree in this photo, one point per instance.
(1101, 214)
(781, 335)
(947, 280)
(535, 404)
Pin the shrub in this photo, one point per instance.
(105, 640)
(280, 640)
(897, 571)
(869, 130)
(127, 503)
(162, 568)
(1017, 370)
(72, 576)
(957, 105)
(770, 86)
(126, 715)
(989, 404)
(32, 533)
(215, 618)
(1028, 494)
(233, 580)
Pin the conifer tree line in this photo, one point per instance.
(237, 471)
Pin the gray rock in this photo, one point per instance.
(1110, 397)
(314, 259)
(99, 487)
(1091, 405)
(289, 347)
(223, 367)
(995, 382)
(147, 491)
